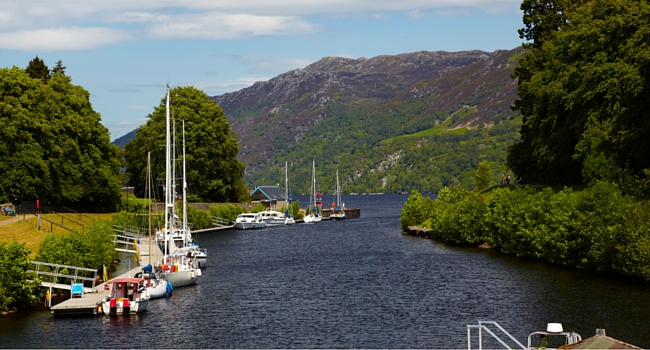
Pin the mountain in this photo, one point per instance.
(123, 140)
(382, 121)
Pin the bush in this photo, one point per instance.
(414, 212)
(258, 208)
(15, 289)
(226, 211)
(198, 219)
(92, 249)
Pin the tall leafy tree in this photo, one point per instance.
(38, 70)
(586, 97)
(483, 176)
(213, 171)
(53, 146)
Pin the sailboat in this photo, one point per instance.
(177, 266)
(157, 287)
(190, 247)
(314, 198)
(339, 209)
(287, 213)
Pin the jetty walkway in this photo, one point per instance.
(89, 303)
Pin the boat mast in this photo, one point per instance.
(168, 182)
(185, 229)
(149, 188)
(286, 184)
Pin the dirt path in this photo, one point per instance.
(14, 220)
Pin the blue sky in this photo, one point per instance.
(124, 52)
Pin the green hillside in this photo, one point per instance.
(373, 155)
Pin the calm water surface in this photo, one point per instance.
(351, 284)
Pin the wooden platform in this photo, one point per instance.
(88, 305)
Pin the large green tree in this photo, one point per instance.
(213, 171)
(53, 146)
(584, 93)
(15, 288)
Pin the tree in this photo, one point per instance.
(414, 212)
(213, 171)
(38, 70)
(483, 176)
(584, 97)
(15, 289)
(53, 146)
(59, 68)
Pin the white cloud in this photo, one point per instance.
(216, 26)
(136, 108)
(87, 24)
(61, 39)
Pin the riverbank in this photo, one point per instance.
(595, 229)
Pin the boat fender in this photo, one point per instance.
(169, 288)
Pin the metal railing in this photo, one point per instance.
(217, 221)
(481, 327)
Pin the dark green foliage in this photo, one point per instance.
(296, 214)
(91, 249)
(258, 208)
(36, 69)
(53, 146)
(226, 211)
(197, 219)
(414, 211)
(15, 290)
(213, 172)
(457, 216)
(134, 204)
(483, 176)
(59, 68)
(585, 94)
(597, 229)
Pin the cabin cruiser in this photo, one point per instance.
(247, 221)
(128, 296)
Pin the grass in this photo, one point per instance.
(23, 232)
(28, 233)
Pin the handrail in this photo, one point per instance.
(218, 221)
(481, 326)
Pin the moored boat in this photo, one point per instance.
(128, 296)
(247, 221)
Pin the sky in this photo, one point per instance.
(124, 52)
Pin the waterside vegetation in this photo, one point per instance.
(596, 229)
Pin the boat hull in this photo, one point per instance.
(119, 308)
(249, 225)
(182, 278)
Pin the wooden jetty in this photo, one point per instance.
(89, 303)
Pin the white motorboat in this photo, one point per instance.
(128, 296)
(247, 221)
(273, 218)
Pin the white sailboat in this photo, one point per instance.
(339, 209)
(177, 268)
(313, 216)
(287, 213)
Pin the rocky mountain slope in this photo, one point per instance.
(272, 116)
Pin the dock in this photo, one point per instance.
(88, 304)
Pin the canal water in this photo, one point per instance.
(352, 284)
